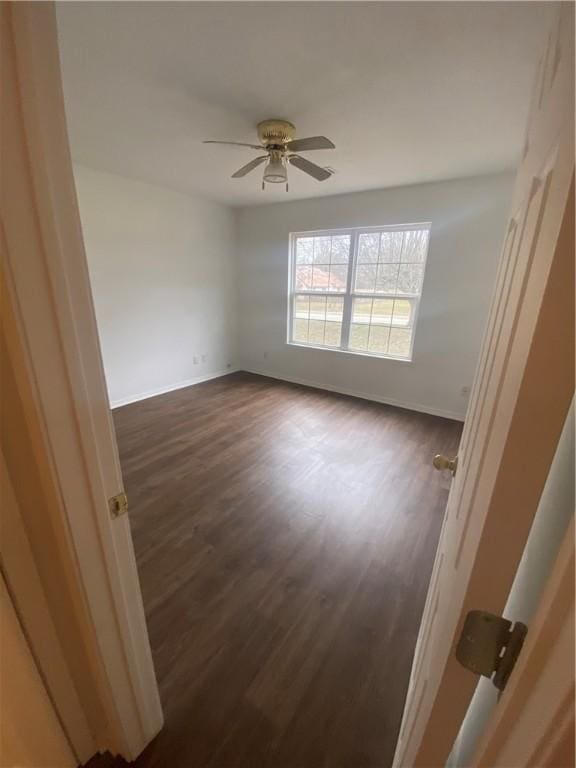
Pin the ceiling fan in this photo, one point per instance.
(277, 141)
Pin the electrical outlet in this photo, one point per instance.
(195, 360)
(265, 355)
(228, 365)
(465, 391)
(203, 358)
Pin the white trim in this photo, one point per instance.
(348, 352)
(411, 225)
(351, 294)
(537, 707)
(47, 278)
(170, 388)
(348, 297)
(362, 395)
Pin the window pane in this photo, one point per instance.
(321, 277)
(332, 334)
(368, 246)
(304, 250)
(415, 246)
(387, 278)
(316, 332)
(300, 331)
(399, 345)
(361, 310)
(338, 276)
(378, 339)
(391, 246)
(340, 249)
(317, 307)
(334, 308)
(322, 250)
(366, 277)
(402, 313)
(358, 336)
(410, 278)
(301, 306)
(382, 311)
(303, 277)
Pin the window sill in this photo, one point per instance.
(349, 352)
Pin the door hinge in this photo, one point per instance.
(118, 505)
(489, 645)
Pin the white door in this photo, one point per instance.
(46, 277)
(554, 516)
(521, 395)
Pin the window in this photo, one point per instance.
(358, 289)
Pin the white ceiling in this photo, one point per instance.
(408, 91)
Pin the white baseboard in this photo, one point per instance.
(304, 382)
(363, 395)
(170, 388)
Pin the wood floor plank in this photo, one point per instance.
(284, 538)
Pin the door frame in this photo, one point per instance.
(533, 723)
(48, 291)
(31, 734)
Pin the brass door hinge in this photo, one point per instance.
(118, 505)
(490, 645)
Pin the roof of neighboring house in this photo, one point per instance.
(310, 276)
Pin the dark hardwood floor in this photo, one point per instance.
(284, 538)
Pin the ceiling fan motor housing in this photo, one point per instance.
(276, 132)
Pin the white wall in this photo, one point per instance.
(555, 510)
(166, 291)
(162, 269)
(468, 221)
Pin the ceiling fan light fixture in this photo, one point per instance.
(275, 172)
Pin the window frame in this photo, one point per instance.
(350, 294)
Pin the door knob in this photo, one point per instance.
(443, 462)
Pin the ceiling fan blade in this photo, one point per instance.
(249, 166)
(313, 142)
(235, 144)
(321, 174)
